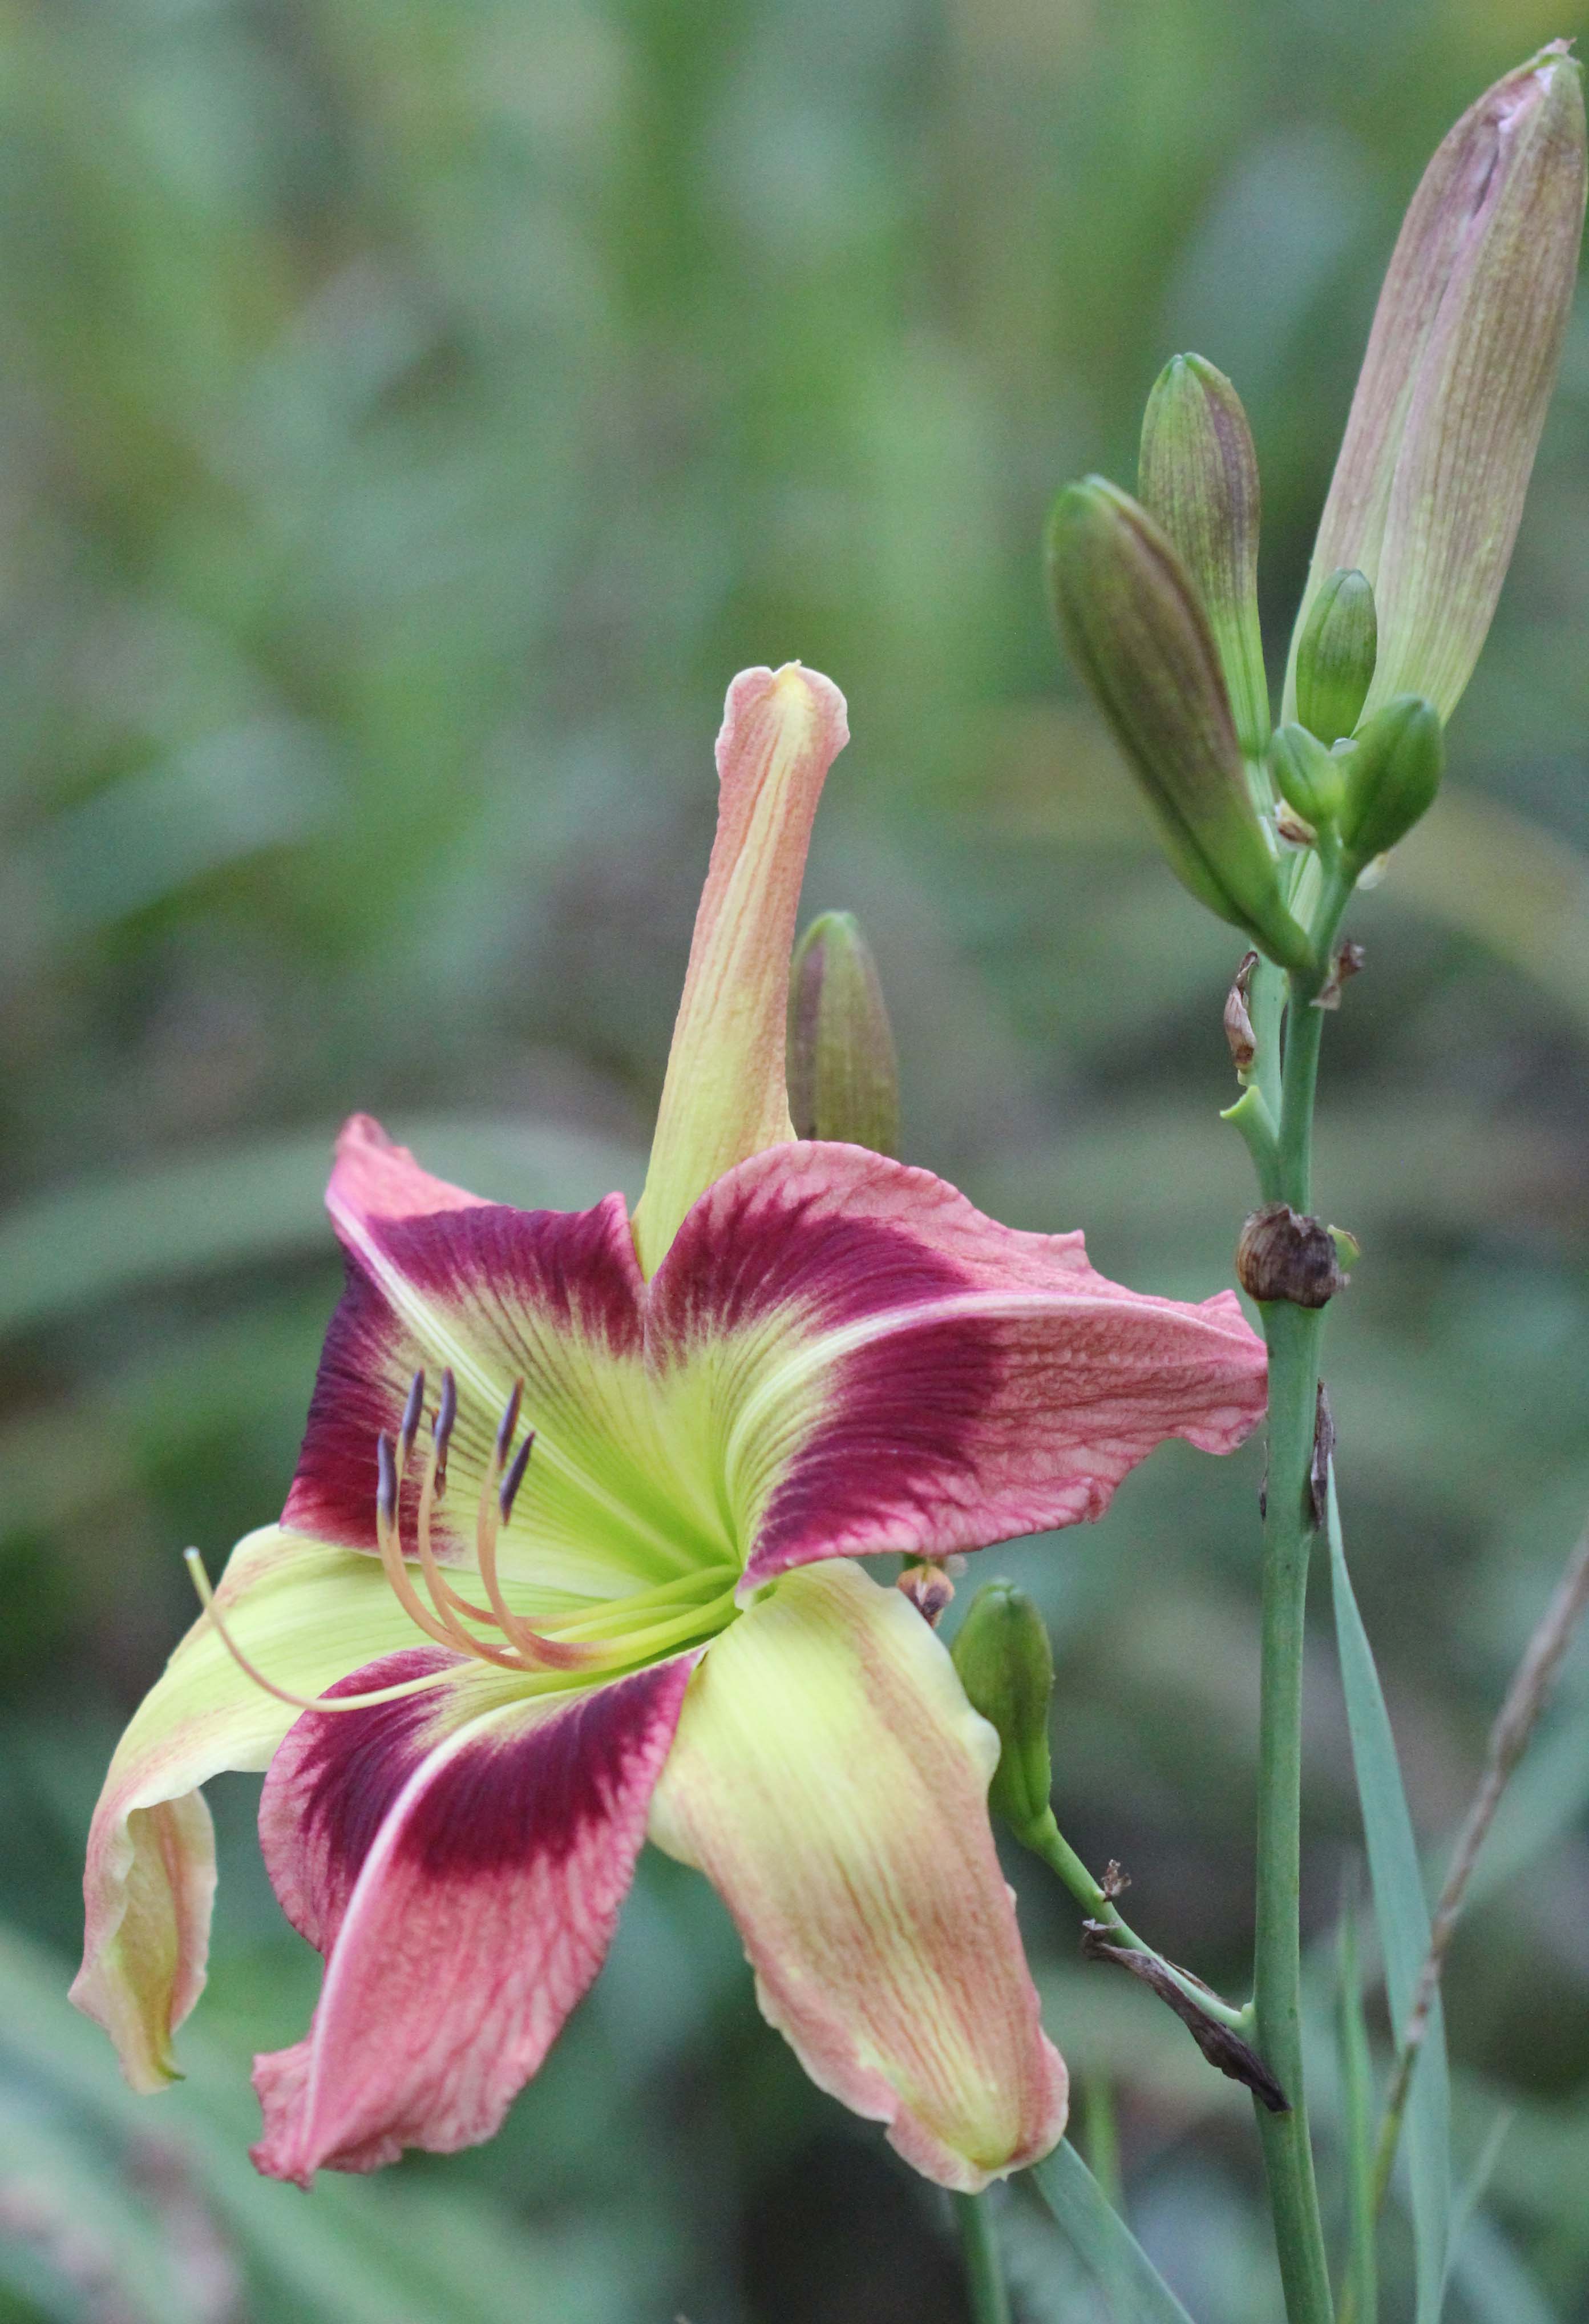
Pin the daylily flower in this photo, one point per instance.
(480, 1676)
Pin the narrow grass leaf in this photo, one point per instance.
(1357, 2119)
(1102, 2241)
(1402, 1915)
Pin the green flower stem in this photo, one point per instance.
(1294, 1335)
(990, 2300)
(1045, 1840)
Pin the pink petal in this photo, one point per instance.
(463, 1862)
(929, 1379)
(498, 1294)
(830, 1779)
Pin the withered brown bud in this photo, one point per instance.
(929, 1589)
(1238, 1023)
(1282, 1255)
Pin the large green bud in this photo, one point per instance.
(1137, 630)
(1393, 771)
(843, 1075)
(1006, 1667)
(1462, 358)
(1197, 476)
(1335, 655)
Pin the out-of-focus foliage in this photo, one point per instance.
(411, 415)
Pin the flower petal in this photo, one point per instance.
(830, 1779)
(725, 1095)
(462, 1858)
(307, 1614)
(497, 1295)
(903, 1373)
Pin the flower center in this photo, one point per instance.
(616, 1635)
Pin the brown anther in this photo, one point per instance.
(929, 1589)
(1349, 958)
(385, 1480)
(447, 1413)
(1283, 1255)
(1238, 1023)
(508, 1492)
(410, 1426)
(509, 1421)
(1324, 1446)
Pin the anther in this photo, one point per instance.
(386, 1473)
(508, 1422)
(509, 1492)
(447, 1413)
(411, 1412)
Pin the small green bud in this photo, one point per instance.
(1466, 340)
(1335, 655)
(1393, 771)
(1306, 776)
(1006, 1667)
(1197, 476)
(843, 1075)
(1136, 627)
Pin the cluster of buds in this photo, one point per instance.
(1157, 597)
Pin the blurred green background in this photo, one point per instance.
(411, 414)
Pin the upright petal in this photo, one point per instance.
(830, 1779)
(900, 1372)
(461, 1859)
(724, 1097)
(497, 1295)
(307, 1614)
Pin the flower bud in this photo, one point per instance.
(1466, 339)
(1197, 476)
(1136, 627)
(843, 1075)
(1393, 771)
(1006, 1667)
(1307, 777)
(1335, 655)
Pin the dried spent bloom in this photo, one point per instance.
(480, 1673)
(1428, 488)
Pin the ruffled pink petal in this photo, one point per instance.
(435, 1278)
(927, 1380)
(462, 1858)
(830, 1779)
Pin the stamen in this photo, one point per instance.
(391, 1555)
(508, 1492)
(536, 1649)
(207, 1599)
(447, 1413)
(509, 1422)
(447, 1602)
(410, 1422)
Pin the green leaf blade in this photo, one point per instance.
(1401, 1913)
(1102, 2241)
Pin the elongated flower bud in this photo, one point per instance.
(1307, 777)
(843, 1075)
(1466, 339)
(1006, 1667)
(1335, 655)
(1137, 630)
(1393, 773)
(1198, 476)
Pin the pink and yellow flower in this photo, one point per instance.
(479, 1678)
